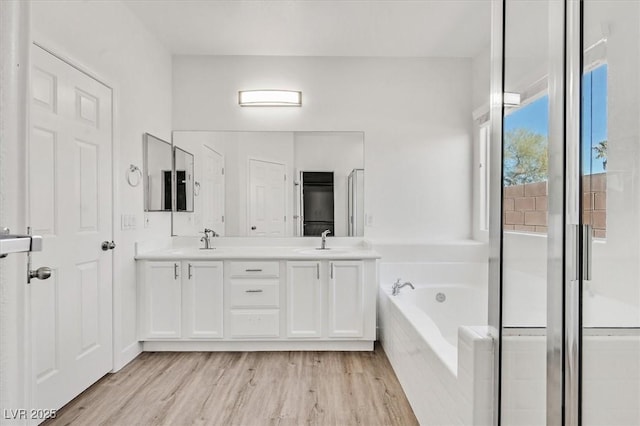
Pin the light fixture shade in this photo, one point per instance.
(269, 98)
(511, 99)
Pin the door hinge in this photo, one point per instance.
(222, 219)
(223, 171)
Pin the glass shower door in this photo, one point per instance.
(610, 213)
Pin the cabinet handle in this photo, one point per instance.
(190, 274)
(318, 270)
(175, 271)
(331, 270)
(253, 270)
(254, 291)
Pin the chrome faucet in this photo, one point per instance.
(208, 234)
(323, 244)
(395, 290)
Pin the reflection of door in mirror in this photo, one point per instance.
(212, 190)
(267, 208)
(356, 202)
(317, 203)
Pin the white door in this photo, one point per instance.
(346, 299)
(267, 209)
(212, 190)
(202, 299)
(70, 204)
(161, 294)
(304, 299)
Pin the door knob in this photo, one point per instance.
(253, 228)
(41, 273)
(106, 245)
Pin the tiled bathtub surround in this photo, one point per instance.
(438, 394)
(443, 360)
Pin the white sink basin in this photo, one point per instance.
(320, 252)
(191, 251)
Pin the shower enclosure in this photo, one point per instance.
(565, 236)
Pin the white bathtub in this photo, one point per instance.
(438, 322)
(440, 351)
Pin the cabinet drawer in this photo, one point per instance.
(255, 323)
(254, 269)
(255, 293)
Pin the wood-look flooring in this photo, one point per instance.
(245, 388)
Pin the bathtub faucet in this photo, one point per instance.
(395, 290)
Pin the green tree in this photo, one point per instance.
(601, 152)
(525, 157)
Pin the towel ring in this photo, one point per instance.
(134, 175)
(196, 188)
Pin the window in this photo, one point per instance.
(525, 154)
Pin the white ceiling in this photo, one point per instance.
(425, 28)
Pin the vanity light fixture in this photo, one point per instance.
(511, 99)
(269, 98)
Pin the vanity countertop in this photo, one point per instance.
(267, 253)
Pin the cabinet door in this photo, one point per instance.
(346, 299)
(202, 303)
(304, 299)
(162, 298)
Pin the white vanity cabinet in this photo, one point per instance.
(257, 299)
(180, 299)
(325, 299)
(160, 313)
(202, 300)
(304, 299)
(346, 308)
(253, 301)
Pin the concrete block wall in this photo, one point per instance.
(525, 206)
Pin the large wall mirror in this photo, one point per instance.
(278, 184)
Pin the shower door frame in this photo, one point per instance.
(564, 271)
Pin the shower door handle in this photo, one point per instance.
(587, 251)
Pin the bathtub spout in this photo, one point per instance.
(395, 290)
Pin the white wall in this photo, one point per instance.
(415, 113)
(106, 39)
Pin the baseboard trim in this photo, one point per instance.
(253, 346)
(127, 355)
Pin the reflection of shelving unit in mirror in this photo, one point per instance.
(317, 203)
(183, 166)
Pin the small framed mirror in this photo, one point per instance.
(157, 174)
(183, 166)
